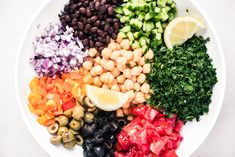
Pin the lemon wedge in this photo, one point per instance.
(106, 99)
(181, 29)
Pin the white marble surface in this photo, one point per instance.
(16, 140)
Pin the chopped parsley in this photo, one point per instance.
(182, 79)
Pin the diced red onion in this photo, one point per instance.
(56, 51)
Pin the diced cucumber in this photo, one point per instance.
(162, 3)
(148, 16)
(130, 36)
(136, 23)
(141, 16)
(158, 36)
(122, 35)
(135, 45)
(126, 29)
(119, 10)
(137, 35)
(148, 26)
(157, 10)
(127, 12)
(158, 24)
(169, 1)
(154, 31)
(124, 19)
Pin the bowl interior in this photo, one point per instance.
(194, 133)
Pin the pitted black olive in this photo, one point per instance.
(88, 129)
(100, 151)
(122, 121)
(98, 139)
(106, 127)
(114, 126)
(88, 144)
(88, 153)
(108, 145)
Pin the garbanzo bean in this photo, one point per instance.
(127, 73)
(115, 55)
(109, 65)
(129, 84)
(97, 81)
(141, 78)
(115, 72)
(125, 44)
(146, 68)
(92, 52)
(120, 79)
(106, 52)
(112, 46)
(145, 88)
(98, 69)
(149, 54)
(136, 86)
(87, 65)
(103, 61)
(121, 61)
(135, 71)
(115, 88)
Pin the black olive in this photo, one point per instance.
(108, 145)
(88, 145)
(107, 154)
(88, 129)
(106, 127)
(122, 121)
(112, 138)
(98, 139)
(100, 151)
(114, 126)
(88, 153)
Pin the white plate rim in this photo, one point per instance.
(223, 67)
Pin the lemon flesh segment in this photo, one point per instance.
(106, 99)
(181, 29)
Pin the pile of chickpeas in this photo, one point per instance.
(121, 67)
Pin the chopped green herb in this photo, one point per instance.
(182, 79)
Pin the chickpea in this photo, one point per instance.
(137, 86)
(93, 72)
(115, 88)
(112, 46)
(132, 64)
(121, 61)
(126, 105)
(141, 61)
(147, 96)
(110, 78)
(119, 113)
(138, 52)
(121, 67)
(141, 78)
(97, 81)
(109, 65)
(135, 71)
(118, 47)
(139, 97)
(106, 52)
(145, 88)
(87, 65)
(97, 60)
(140, 69)
(98, 69)
(131, 94)
(129, 84)
(104, 78)
(115, 55)
(88, 79)
(123, 88)
(146, 68)
(127, 73)
(137, 57)
(105, 86)
(133, 78)
(126, 111)
(103, 61)
(119, 38)
(149, 54)
(120, 79)
(92, 52)
(130, 117)
(127, 54)
(115, 72)
(125, 44)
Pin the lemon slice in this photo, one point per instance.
(106, 99)
(181, 29)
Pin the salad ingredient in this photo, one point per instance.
(75, 124)
(106, 99)
(99, 134)
(79, 140)
(69, 145)
(94, 22)
(57, 51)
(68, 105)
(121, 70)
(181, 29)
(61, 130)
(67, 136)
(149, 134)
(62, 120)
(78, 112)
(55, 140)
(182, 79)
(144, 21)
(52, 129)
(88, 117)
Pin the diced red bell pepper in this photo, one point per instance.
(68, 105)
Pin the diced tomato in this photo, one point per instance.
(156, 147)
(68, 105)
(170, 153)
(150, 134)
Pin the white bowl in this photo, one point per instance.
(194, 133)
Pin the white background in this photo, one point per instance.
(15, 139)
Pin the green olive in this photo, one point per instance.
(74, 131)
(97, 110)
(70, 144)
(88, 117)
(68, 113)
(67, 136)
(91, 109)
(79, 140)
(88, 102)
(61, 130)
(81, 99)
(62, 120)
(55, 140)
(75, 124)
(52, 129)
(78, 112)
